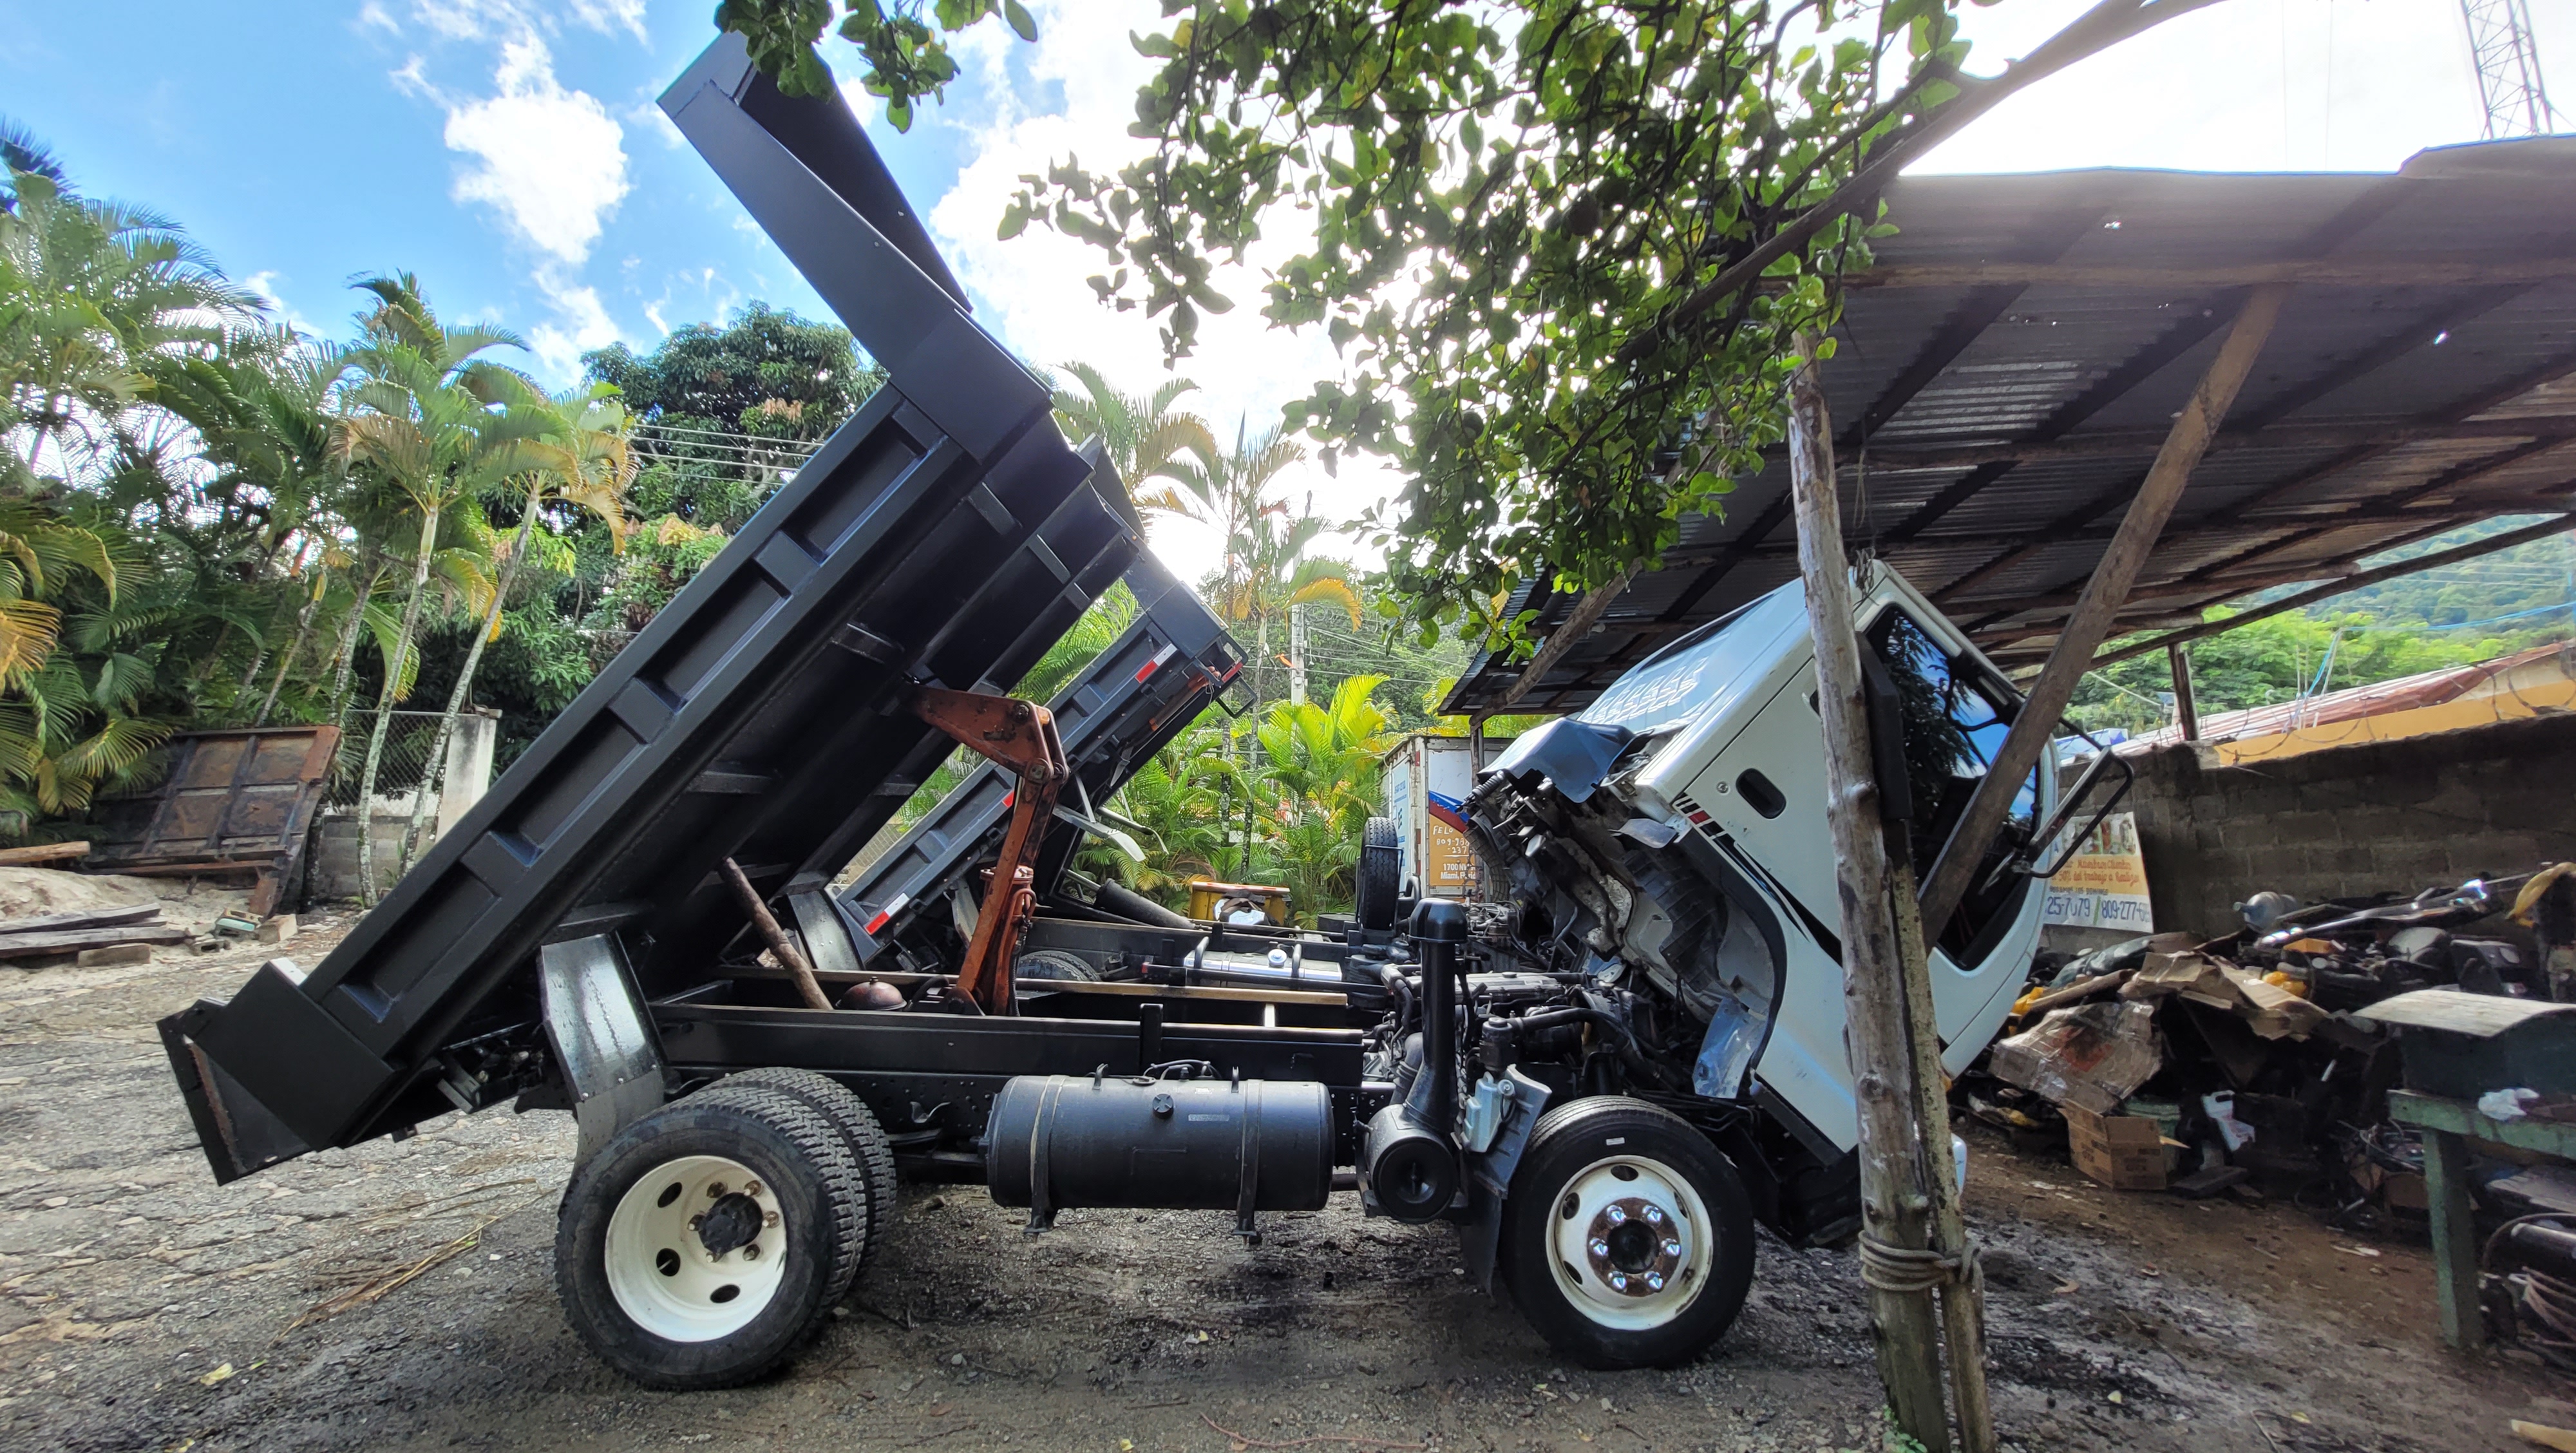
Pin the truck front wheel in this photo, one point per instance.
(1627, 1237)
(705, 1243)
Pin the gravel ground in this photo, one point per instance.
(401, 1296)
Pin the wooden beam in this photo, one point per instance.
(2121, 443)
(2306, 598)
(2103, 596)
(1895, 1183)
(2186, 710)
(1579, 622)
(2350, 272)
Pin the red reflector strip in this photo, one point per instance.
(1230, 673)
(1007, 796)
(1150, 667)
(886, 914)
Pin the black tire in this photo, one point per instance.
(859, 1131)
(1379, 879)
(1577, 1154)
(1053, 963)
(795, 1160)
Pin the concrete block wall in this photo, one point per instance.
(2400, 816)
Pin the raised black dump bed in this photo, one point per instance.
(946, 536)
(603, 933)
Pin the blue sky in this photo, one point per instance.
(508, 151)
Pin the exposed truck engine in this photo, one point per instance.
(1602, 1081)
(1669, 865)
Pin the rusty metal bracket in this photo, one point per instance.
(1020, 737)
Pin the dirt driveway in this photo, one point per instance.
(306, 1308)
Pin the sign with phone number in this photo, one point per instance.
(2104, 885)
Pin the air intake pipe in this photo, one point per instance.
(1409, 1162)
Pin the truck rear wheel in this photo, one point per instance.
(704, 1243)
(859, 1131)
(1627, 1236)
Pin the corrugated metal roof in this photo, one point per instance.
(2100, 368)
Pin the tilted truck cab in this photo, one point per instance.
(649, 921)
(1670, 843)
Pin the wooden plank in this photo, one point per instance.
(2104, 594)
(2455, 1239)
(2434, 1112)
(42, 853)
(82, 918)
(36, 945)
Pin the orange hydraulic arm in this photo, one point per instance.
(1020, 737)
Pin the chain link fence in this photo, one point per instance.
(398, 772)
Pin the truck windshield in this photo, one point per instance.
(1670, 690)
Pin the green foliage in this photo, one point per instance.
(1149, 441)
(902, 45)
(1509, 207)
(2270, 660)
(724, 411)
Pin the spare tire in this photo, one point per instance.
(1053, 963)
(1380, 878)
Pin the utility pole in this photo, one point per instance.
(1297, 655)
(1909, 1206)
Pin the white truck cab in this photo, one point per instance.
(1670, 843)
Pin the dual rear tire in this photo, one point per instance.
(708, 1240)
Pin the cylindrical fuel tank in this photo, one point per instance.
(1161, 1144)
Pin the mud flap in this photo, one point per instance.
(603, 1044)
(1489, 1181)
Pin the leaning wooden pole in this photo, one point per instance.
(1953, 1263)
(1895, 1204)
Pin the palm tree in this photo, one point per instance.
(261, 412)
(90, 293)
(1320, 771)
(582, 460)
(433, 419)
(1266, 572)
(1145, 438)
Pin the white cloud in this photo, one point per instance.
(610, 16)
(2258, 85)
(263, 285)
(552, 161)
(581, 323)
(1030, 290)
(372, 16)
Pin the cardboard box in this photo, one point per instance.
(2124, 1152)
(2089, 1057)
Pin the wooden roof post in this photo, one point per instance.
(2103, 596)
(2186, 710)
(1896, 1205)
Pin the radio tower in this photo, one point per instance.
(2508, 66)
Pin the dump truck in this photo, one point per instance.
(649, 922)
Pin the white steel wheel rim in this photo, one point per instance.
(1634, 1221)
(658, 1265)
